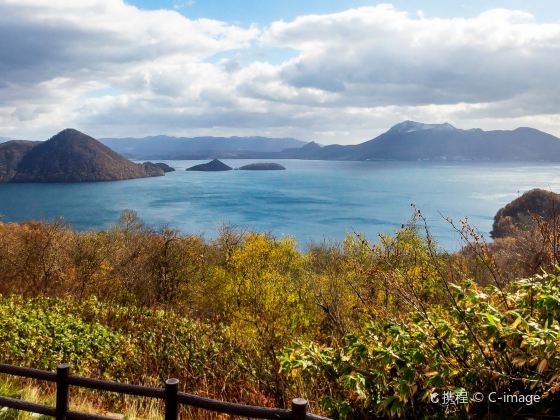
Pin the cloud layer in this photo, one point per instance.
(110, 69)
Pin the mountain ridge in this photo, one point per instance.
(203, 147)
(407, 141)
(410, 140)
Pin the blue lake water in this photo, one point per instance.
(311, 200)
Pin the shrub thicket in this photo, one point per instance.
(361, 329)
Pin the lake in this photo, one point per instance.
(311, 200)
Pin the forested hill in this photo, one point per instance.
(69, 156)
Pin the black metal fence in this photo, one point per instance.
(170, 394)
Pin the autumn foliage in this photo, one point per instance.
(362, 329)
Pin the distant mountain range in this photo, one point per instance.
(165, 147)
(70, 156)
(408, 140)
(411, 140)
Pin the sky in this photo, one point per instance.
(323, 70)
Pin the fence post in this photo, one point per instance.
(299, 408)
(171, 404)
(62, 373)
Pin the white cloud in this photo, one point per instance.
(380, 56)
(58, 51)
(112, 69)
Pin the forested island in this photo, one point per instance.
(69, 156)
(262, 166)
(214, 165)
(359, 328)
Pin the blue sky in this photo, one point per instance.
(323, 70)
(265, 11)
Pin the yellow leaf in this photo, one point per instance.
(542, 365)
(519, 361)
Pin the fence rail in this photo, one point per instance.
(170, 394)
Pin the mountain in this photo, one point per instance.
(408, 140)
(212, 166)
(411, 140)
(4, 139)
(165, 147)
(69, 156)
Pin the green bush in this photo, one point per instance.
(486, 340)
(125, 343)
(44, 332)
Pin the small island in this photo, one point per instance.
(212, 166)
(262, 166)
(163, 166)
